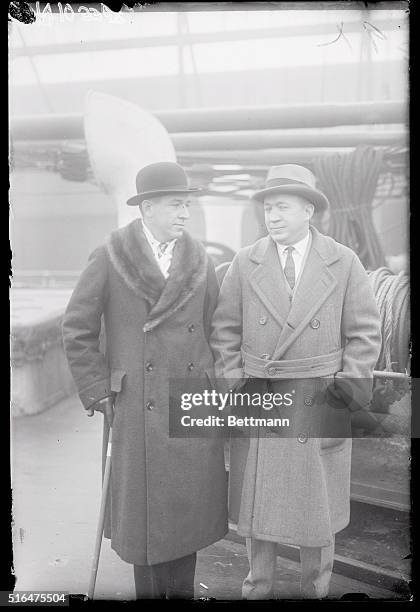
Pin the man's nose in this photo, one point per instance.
(184, 213)
(275, 215)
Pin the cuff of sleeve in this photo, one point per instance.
(358, 391)
(94, 393)
(230, 381)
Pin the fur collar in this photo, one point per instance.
(133, 259)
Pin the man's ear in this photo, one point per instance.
(310, 209)
(146, 208)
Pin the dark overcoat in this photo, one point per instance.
(168, 496)
(295, 487)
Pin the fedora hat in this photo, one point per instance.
(294, 179)
(160, 178)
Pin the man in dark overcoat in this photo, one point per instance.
(297, 311)
(155, 289)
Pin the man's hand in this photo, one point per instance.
(106, 406)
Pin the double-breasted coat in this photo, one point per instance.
(295, 487)
(168, 496)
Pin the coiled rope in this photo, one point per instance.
(392, 297)
(349, 180)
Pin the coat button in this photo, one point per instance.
(302, 438)
(149, 366)
(308, 401)
(149, 406)
(265, 356)
(263, 320)
(315, 323)
(191, 327)
(190, 366)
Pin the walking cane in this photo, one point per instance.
(101, 521)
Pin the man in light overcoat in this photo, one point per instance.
(296, 307)
(156, 289)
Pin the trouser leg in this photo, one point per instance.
(181, 573)
(316, 565)
(151, 581)
(172, 579)
(262, 557)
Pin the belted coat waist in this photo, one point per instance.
(305, 367)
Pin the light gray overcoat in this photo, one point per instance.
(168, 495)
(296, 488)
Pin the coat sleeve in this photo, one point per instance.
(81, 329)
(226, 337)
(362, 335)
(210, 301)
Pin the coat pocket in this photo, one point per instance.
(116, 380)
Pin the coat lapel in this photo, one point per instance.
(315, 286)
(187, 272)
(133, 259)
(267, 281)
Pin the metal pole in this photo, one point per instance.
(268, 139)
(50, 127)
(181, 66)
(272, 157)
(391, 375)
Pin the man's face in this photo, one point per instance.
(287, 217)
(166, 215)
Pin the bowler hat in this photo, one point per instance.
(160, 178)
(294, 179)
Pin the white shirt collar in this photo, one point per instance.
(152, 240)
(299, 246)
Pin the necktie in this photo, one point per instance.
(289, 268)
(162, 248)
